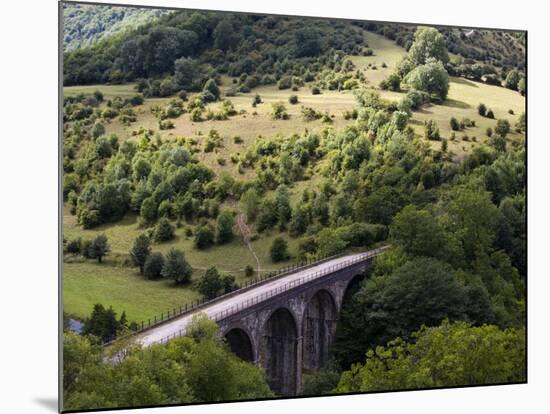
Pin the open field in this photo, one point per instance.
(88, 283)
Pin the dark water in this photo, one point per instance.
(75, 326)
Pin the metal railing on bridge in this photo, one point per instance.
(278, 290)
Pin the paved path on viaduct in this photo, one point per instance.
(284, 324)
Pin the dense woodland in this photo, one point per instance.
(445, 306)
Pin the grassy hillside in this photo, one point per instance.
(398, 167)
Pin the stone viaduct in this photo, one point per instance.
(284, 324)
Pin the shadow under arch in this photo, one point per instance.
(281, 337)
(320, 319)
(240, 344)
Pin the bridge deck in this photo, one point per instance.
(249, 297)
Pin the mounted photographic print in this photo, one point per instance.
(265, 206)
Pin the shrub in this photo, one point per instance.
(293, 99)
(248, 270)
(166, 124)
(196, 115)
(176, 267)
(455, 126)
(392, 82)
(98, 248)
(204, 237)
(489, 132)
(310, 114)
(278, 250)
(482, 109)
(256, 100)
(285, 83)
(140, 251)
(490, 114)
(315, 90)
(164, 230)
(502, 128)
(237, 139)
(279, 111)
(74, 246)
(431, 131)
(153, 266)
(136, 100)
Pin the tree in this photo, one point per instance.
(102, 323)
(512, 79)
(204, 236)
(502, 128)
(249, 203)
(176, 267)
(428, 44)
(99, 247)
(418, 233)
(225, 36)
(278, 250)
(431, 78)
(279, 111)
(186, 73)
(248, 270)
(224, 226)
(455, 125)
(210, 86)
(482, 109)
(164, 230)
(329, 242)
(422, 291)
(193, 368)
(282, 203)
(522, 86)
(153, 266)
(210, 283)
(267, 215)
(450, 355)
(307, 42)
(140, 251)
(299, 221)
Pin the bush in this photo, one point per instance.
(489, 132)
(293, 99)
(176, 267)
(136, 100)
(237, 139)
(164, 230)
(315, 90)
(502, 128)
(285, 83)
(98, 248)
(153, 266)
(204, 237)
(278, 250)
(166, 124)
(256, 100)
(455, 125)
(482, 109)
(279, 111)
(490, 114)
(310, 114)
(248, 270)
(431, 131)
(74, 246)
(392, 82)
(196, 115)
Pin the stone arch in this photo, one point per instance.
(280, 347)
(352, 287)
(319, 325)
(240, 343)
